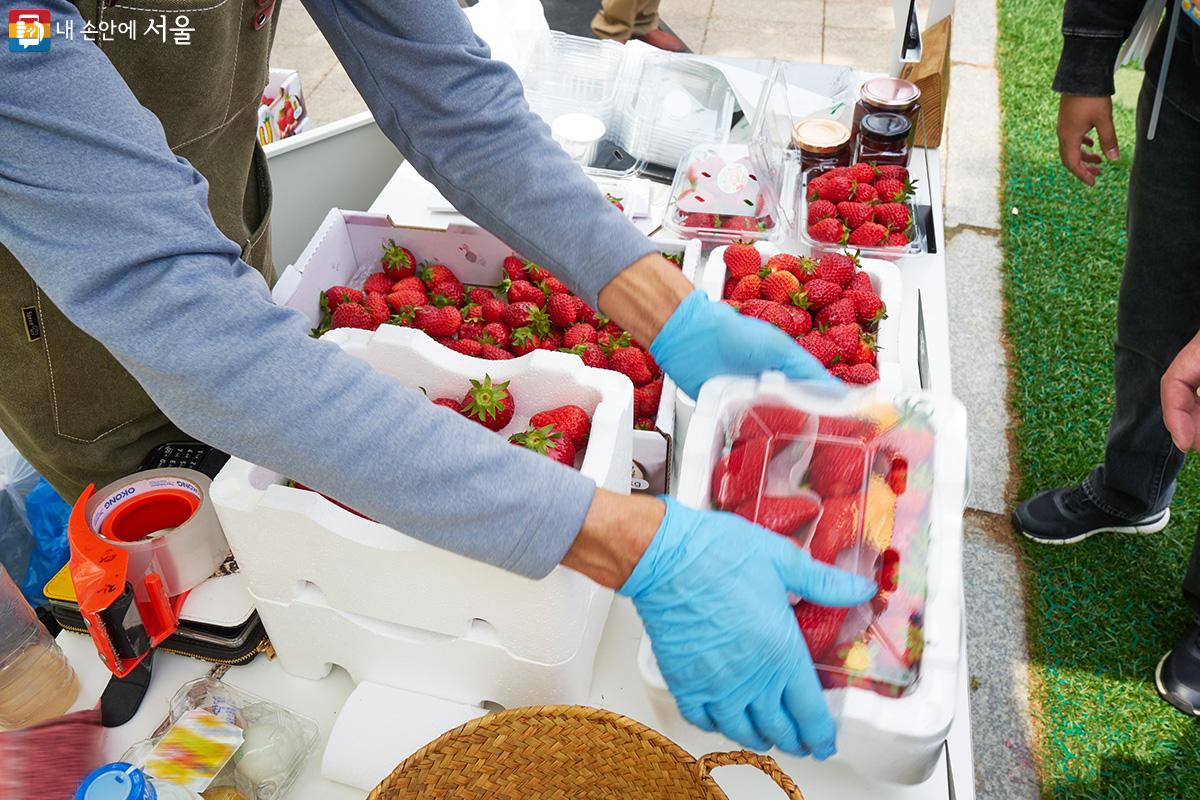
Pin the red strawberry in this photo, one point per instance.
(786, 262)
(630, 362)
(698, 219)
(479, 295)
(353, 315)
(591, 354)
(862, 374)
(839, 312)
(836, 189)
(335, 295)
(553, 285)
(817, 294)
(897, 239)
(739, 474)
(448, 402)
(870, 234)
(579, 333)
(493, 353)
(433, 274)
(588, 314)
(378, 282)
(521, 313)
(745, 224)
(819, 210)
(846, 337)
(827, 230)
(747, 288)
(548, 442)
(489, 404)
(754, 308)
(866, 350)
(378, 307)
(861, 282)
(821, 348)
(863, 172)
(894, 215)
(471, 312)
(763, 420)
(867, 306)
(492, 310)
(780, 514)
(820, 626)
(802, 321)
(778, 287)
(525, 292)
(838, 468)
(446, 293)
(742, 259)
(643, 424)
(854, 214)
(470, 329)
(865, 193)
(563, 309)
(838, 528)
(893, 171)
(837, 268)
(534, 273)
(862, 430)
(609, 342)
(397, 261)
(469, 347)
(551, 341)
(897, 476)
(514, 268)
(572, 421)
(646, 399)
(775, 314)
(814, 188)
(499, 333)
(437, 322)
(840, 370)
(524, 340)
(892, 190)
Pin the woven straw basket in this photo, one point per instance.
(562, 753)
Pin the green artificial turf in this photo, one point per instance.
(1101, 613)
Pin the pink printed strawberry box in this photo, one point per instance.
(470, 292)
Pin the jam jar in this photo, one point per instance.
(890, 95)
(883, 139)
(823, 144)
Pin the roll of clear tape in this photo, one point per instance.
(165, 520)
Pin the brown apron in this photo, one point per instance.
(65, 402)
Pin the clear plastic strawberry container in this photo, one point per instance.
(807, 195)
(717, 197)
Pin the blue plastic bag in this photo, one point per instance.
(33, 525)
(48, 514)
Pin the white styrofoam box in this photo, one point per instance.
(286, 539)
(309, 636)
(896, 739)
(347, 247)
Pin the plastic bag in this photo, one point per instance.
(48, 514)
(17, 479)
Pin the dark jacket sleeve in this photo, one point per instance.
(1093, 33)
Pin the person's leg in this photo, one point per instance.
(647, 17)
(617, 19)
(1177, 677)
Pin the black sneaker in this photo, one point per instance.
(1178, 675)
(1067, 515)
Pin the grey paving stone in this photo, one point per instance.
(868, 50)
(998, 658)
(764, 38)
(973, 164)
(974, 296)
(334, 98)
(973, 32)
(860, 14)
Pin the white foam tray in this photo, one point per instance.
(289, 541)
(894, 739)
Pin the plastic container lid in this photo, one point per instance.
(820, 135)
(673, 104)
(116, 781)
(717, 196)
(890, 92)
(886, 125)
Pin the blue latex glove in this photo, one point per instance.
(712, 590)
(702, 339)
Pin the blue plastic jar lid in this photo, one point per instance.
(117, 781)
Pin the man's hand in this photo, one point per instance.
(1180, 405)
(1077, 117)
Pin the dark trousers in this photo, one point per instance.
(1158, 310)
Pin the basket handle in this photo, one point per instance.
(706, 764)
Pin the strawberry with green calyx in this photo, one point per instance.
(744, 224)
(675, 258)
(866, 353)
(779, 287)
(893, 216)
(353, 315)
(897, 239)
(548, 442)
(492, 310)
(854, 215)
(468, 347)
(398, 262)
(591, 354)
(377, 305)
(839, 268)
(819, 347)
(479, 294)
(403, 317)
(868, 308)
(579, 333)
(863, 172)
(335, 295)
(491, 405)
(865, 193)
(610, 343)
(846, 337)
(836, 189)
(646, 398)
(524, 340)
(894, 190)
(817, 294)
(643, 424)
(819, 210)
(570, 420)
(700, 219)
(525, 292)
(742, 259)
(551, 341)
(406, 297)
(514, 268)
(838, 468)
(433, 274)
(446, 294)
(869, 234)
(631, 362)
(498, 334)
(563, 310)
(829, 230)
(377, 282)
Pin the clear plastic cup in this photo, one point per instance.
(36, 681)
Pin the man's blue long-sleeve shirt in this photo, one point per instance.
(117, 232)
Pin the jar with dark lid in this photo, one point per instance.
(823, 144)
(887, 95)
(883, 139)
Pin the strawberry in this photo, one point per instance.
(838, 468)
(863, 173)
(894, 172)
(525, 292)
(780, 514)
(846, 337)
(472, 313)
(489, 404)
(897, 476)
(588, 314)
(535, 274)
(747, 288)
(479, 295)
(398, 262)
(563, 309)
(821, 348)
(754, 308)
(353, 315)
(745, 224)
(862, 430)
(493, 353)
(891, 190)
(838, 528)
(897, 239)
(819, 210)
(865, 193)
(836, 172)
(448, 402)
(775, 314)
(854, 214)
(739, 474)
(553, 285)
(468, 347)
(839, 312)
(674, 258)
(801, 321)
(643, 424)
(437, 322)
(840, 370)
(867, 306)
(377, 305)
(446, 293)
(492, 310)
(861, 282)
(736, 305)
(814, 189)
(551, 341)
(778, 287)
(763, 420)
(865, 354)
(870, 234)
(862, 374)
(499, 334)
(609, 342)
(836, 189)
(817, 294)
(837, 268)
(827, 230)
(579, 333)
(591, 354)
(616, 201)
(646, 399)
(335, 295)
(630, 362)
(893, 215)
(548, 442)
(820, 626)
(572, 421)
(786, 262)
(514, 268)
(378, 282)
(524, 340)
(433, 274)
(521, 313)
(742, 259)
(470, 329)
(699, 219)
